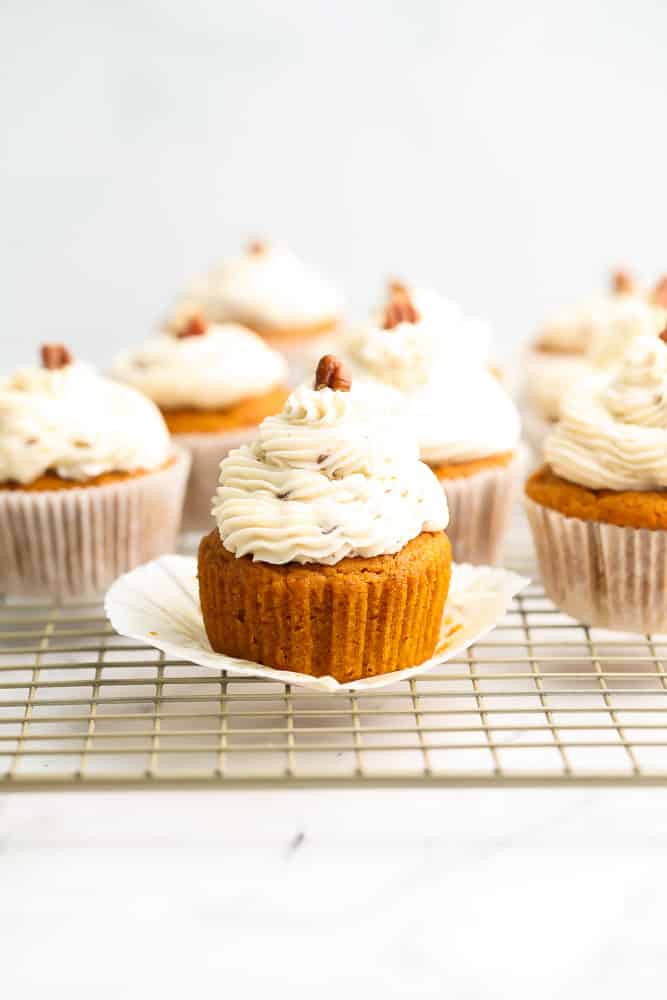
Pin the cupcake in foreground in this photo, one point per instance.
(330, 555)
(466, 424)
(598, 508)
(590, 336)
(214, 384)
(270, 290)
(90, 485)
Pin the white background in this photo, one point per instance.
(507, 152)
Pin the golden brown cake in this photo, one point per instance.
(329, 556)
(246, 413)
(625, 508)
(356, 619)
(461, 470)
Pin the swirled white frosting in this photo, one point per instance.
(613, 428)
(325, 479)
(73, 422)
(266, 290)
(602, 326)
(458, 411)
(217, 369)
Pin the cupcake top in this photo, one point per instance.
(201, 366)
(613, 428)
(268, 288)
(327, 478)
(455, 406)
(64, 418)
(425, 323)
(601, 327)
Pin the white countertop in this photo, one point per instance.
(430, 893)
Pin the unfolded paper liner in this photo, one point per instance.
(159, 604)
(601, 574)
(206, 452)
(75, 542)
(480, 511)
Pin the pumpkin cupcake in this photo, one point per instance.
(466, 424)
(214, 384)
(268, 289)
(590, 336)
(90, 485)
(329, 556)
(598, 508)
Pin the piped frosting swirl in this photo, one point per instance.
(613, 428)
(325, 479)
(71, 421)
(213, 370)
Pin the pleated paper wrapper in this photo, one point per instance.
(159, 604)
(75, 542)
(480, 511)
(207, 452)
(601, 574)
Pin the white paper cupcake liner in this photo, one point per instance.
(75, 542)
(159, 604)
(207, 451)
(480, 511)
(601, 574)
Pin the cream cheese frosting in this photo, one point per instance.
(613, 428)
(457, 409)
(548, 377)
(325, 479)
(77, 424)
(267, 288)
(217, 369)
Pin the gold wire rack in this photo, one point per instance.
(541, 700)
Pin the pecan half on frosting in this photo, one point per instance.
(256, 247)
(55, 356)
(399, 309)
(332, 374)
(659, 295)
(622, 282)
(191, 325)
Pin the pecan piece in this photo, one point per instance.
(399, 309)
(663, 336)
(659, 295)
(332, 374)
(192, 325)
(622, 282)
(55, 356)
(256, 247)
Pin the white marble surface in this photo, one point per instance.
(490, 894)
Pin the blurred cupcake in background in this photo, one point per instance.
(466, 424)
(90, 483)
(598, 507)
(214, 383)
(577, 341)
(270, 290)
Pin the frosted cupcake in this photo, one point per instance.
(590, 336)
(273, 292)
(598, 508)
(90, 485)
(214, 384)
(466, 424)
(329, 556)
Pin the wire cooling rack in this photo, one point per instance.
(541, 700)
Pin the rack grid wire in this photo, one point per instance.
(540, 700)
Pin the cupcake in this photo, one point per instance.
(590, 336)
(598, 508)
(330, 555)
(466, 424)
(270, 290)
(90, 485)
(214, 384)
